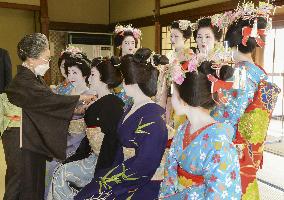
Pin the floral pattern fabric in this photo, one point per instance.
(247, 76)
(249, 110)
(210, 155)
(64, 88)
(10, 115)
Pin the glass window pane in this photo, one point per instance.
(279, 49)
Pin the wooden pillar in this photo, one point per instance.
(44, 20)
(157, 27)
(44, 28)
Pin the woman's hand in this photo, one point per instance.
(86, 99)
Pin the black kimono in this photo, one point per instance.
(69, 178)
(45, 121)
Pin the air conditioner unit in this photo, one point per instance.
(94, 51)
(93, 44)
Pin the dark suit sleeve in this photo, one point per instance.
(7, 68)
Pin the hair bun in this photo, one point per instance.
(160, 59)
(115, 61)
(225, 73)
(142, 55)
(206, 67)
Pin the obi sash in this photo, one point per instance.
(187, 179)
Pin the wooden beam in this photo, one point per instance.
(177, 4)
(278, 2)
(157, 27)
(80, 27)
(19, 6)
(139, 22)
(191, 14)
(44, 28)
(44, 20)
(278, 21)
(195, 13)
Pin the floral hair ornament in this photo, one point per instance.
(222, 55)
(119, 29)
(184, 24)
(185, 61)
(220, 20)
(248, 11)
(218, 85)
(72, 50)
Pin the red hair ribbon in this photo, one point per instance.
(247, 32)
(217, 85)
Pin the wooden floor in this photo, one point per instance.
(2, 171)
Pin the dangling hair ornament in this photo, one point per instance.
(150, 60)
(248, 11)
(253, 32)
(217, 86)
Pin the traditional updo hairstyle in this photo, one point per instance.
(65, 56)
(206, 23)
(139, 69)
(234, 34)
(119, 37)
(186, 33)
(109, 70)
(196, 88)
(81, 61)
(31, 46)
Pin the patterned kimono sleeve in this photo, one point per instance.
(238, 98)
(135, 172)
(168, 186)
(221, 169)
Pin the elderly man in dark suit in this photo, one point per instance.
(5, 69)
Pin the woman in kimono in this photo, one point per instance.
(65, 87)
(248, 78)
(126, 38)
(77, 66)
(202, 162)
(10, 122)
(101, 118)
(207, 35)
(45, 115)
(180, 32)
(141, 131)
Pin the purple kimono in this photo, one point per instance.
(145, 131)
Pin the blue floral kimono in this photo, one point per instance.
(247, 76)
(73, 141)
(146, 133)
(64, 88)
(202, 165)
